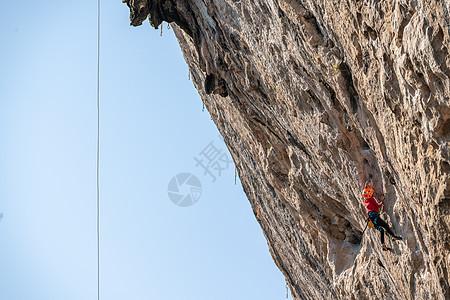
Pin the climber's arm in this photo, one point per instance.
(379, 202)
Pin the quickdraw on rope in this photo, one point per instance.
(403, 198)
(393, 182)
(168, 26)
(395, 29)
(161, 28)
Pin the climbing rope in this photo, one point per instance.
(235, 173)
(367, 223)
(98, 149)
(161, 28)
(257, 214)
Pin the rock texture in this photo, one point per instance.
(313, 97)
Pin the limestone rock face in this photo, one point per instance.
(313, 97)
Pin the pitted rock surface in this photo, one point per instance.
(314, 97)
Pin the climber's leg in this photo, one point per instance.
(381, 235)
(384, 225)
(383, 245)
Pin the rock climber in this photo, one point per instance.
(373, 205)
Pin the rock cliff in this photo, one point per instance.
(313, 97)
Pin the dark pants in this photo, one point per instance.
(380, 225)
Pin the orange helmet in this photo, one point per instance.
(368, 192)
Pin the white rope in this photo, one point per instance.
(98, 149)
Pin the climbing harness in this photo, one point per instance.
(372, 224)
(375, 216)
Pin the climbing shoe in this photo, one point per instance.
(383, 246)
(395, 238)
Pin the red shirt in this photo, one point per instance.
(372, 204)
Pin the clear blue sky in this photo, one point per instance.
(152, 127)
